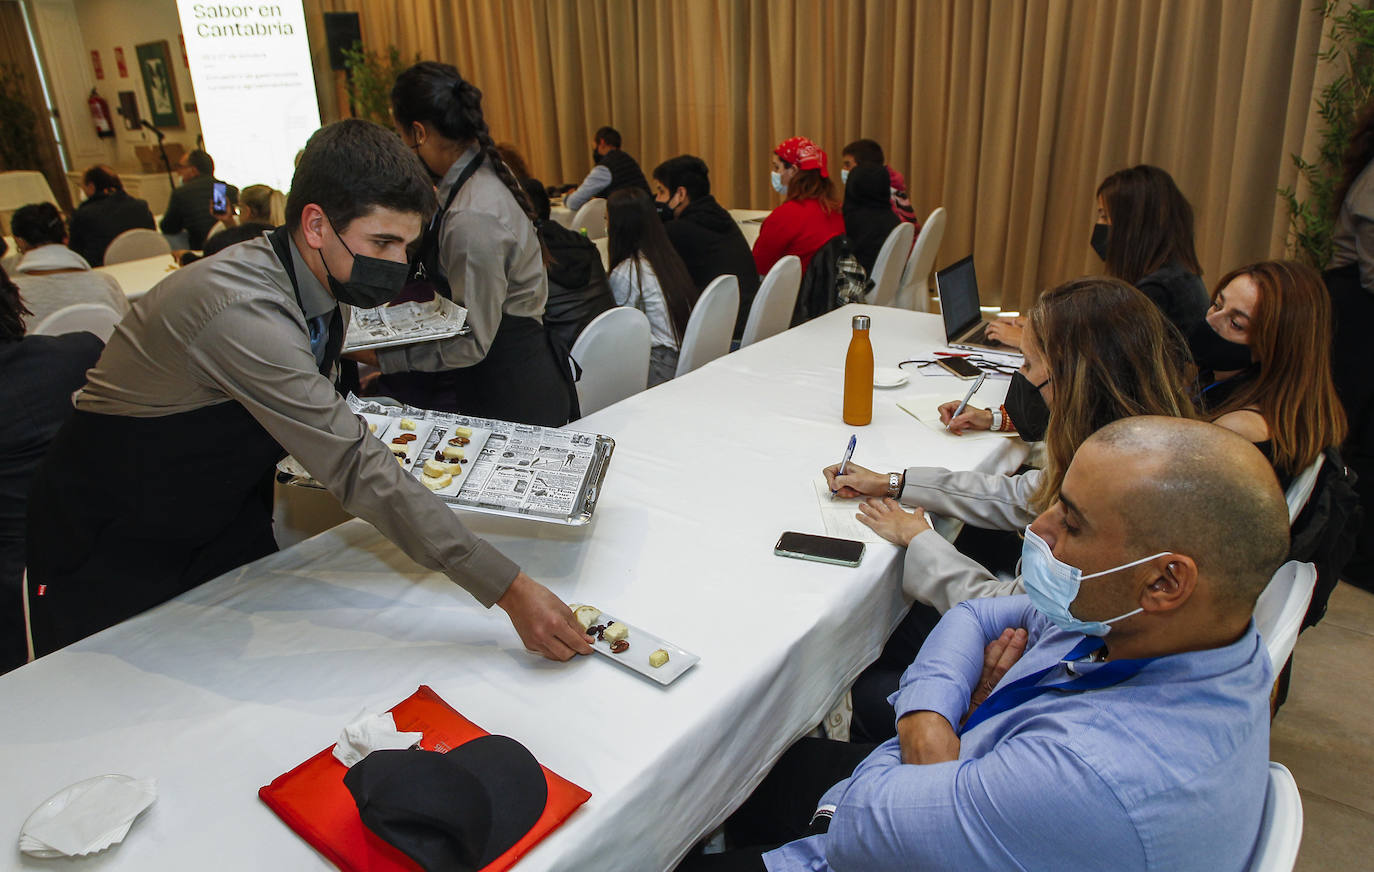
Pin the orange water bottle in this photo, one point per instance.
(858, 376)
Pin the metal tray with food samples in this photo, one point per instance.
(495, 467)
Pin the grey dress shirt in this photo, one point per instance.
(227, 328)
(934, 572)
(490, 254)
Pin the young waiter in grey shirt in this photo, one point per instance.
(162, 477)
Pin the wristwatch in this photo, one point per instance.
(996, 418)
(895, 482)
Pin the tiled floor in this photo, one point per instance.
(1325, 734)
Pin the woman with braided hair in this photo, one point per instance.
(482, 251)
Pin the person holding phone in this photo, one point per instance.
(191, 207)
(1097, 350)
(220, 369)
(481, 250)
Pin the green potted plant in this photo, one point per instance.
(1351, 52)
(370, 78)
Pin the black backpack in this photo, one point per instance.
(1326, 530)
(832, 279)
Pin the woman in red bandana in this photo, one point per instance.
(809, 216)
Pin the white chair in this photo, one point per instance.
(217, 228)
(1300, 491)
(771, 312)
(890, 264)
(94, 318)
(613, 352)
(136, 244)
(1280, 833)
(1281, 607)
(592, 218)
(711, 326)
(914, 292)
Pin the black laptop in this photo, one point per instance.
(957, 288)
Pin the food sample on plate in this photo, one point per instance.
(658, 658)
(435, 484)
(435, 469)
(614, 632)
(407, 424)
(452, 452)
(586, 615)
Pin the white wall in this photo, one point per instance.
(126, 23)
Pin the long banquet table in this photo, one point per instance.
(219, 691)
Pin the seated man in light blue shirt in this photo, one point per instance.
(1132, 734)
(614, 170)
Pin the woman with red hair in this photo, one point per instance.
(809, 216)
(1264, 359)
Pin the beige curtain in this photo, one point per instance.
(1006, 112)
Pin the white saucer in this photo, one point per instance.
(888, 377)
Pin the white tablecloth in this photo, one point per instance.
(137, 277)
(562, 214)
(749, 221)
(217, 692)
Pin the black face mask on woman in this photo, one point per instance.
(1212, 352)
(1027, 408)
(1099, 241)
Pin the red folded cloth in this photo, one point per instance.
(313, 800)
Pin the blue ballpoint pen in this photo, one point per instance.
(848, 453)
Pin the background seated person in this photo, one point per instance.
(578, 288)
(50, 275)
(188, 208)
(38, 375)
(809, 216)
(706, 237)
(1176, 526)
(647, 273)
(260, 210)
(1144, 235)
(106, 212)
(868, 216)
(614, 171)
(1264, 363)
(862, 151)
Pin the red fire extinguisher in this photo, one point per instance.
(100, 114)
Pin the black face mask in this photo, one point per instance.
(596, 157)
(1212, 352)
(1028, 410)
(1099, 241)
(371, 283)
(665, 212)
(434, 177)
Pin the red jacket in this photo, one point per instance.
(797, 227)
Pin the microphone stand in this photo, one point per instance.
(166, 164)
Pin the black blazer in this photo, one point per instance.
(96, 222)
(189, 209)
(38, 375)
(711, 244)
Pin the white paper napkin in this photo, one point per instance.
(87, 817)
(370, 732)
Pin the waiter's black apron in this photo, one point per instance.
(126, 513)
(524, 377)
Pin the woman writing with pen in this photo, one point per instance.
(1096, 349)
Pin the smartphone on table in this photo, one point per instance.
(219, 199)
(960, 367)
(822, 549)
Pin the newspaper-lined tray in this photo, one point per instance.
(518, 470)
(642, 644)
(404, 323)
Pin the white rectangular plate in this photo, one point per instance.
(642, 644)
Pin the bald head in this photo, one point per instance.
(1197, 489)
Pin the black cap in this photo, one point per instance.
(453, 812)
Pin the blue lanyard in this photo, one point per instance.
(1025, 688)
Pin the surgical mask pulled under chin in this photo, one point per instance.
(777, 182)
(372, 281)
(844, 176)
(1053, 585)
